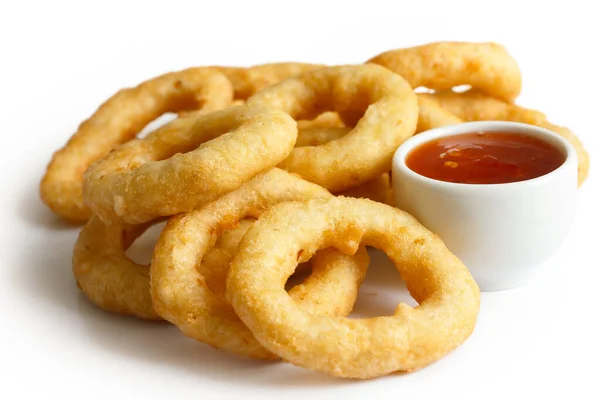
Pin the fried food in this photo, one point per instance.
(432, 115)
(475, 106)
(317, 135)
(445, 65)
(377, 189)
(187, 163)
(117, 284)
(328, 119)
(106, 275)
(244, 177)
(185, 297)
(583, 157)
(378, 103)
(412, 338)
(119, 120)
(215, 264)
(325, 128)
(247, 81)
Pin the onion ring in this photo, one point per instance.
(432, 115)
(119, 120)
(318, 135)
(328, 119)
(444, 65)
(106, 275)
(182, 295)
(325, 128)
(117, 284)
(377, 189)
(149, 178)
(474, 106)
(247, 81)
(412, 338)
(390, 118)
(215, 264)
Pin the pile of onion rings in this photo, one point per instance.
(274, 170)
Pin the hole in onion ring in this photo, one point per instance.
(382, 290)
(461, 88)
(302, 272)
(141, 249)
(157, 123)
(423, 89)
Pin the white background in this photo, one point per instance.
(60, 59)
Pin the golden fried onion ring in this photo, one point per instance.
(119, 120)
(366, 151)
(325, 128)
(444, 65)
(377, 189)
(412, 338)
(247, 81)
(148, 178)
(117, 284)
(473, 105)
(106, 275)
(215, 264)
(432, 115)
(328, 119)
(476, 106)
(183, 296)
(318, 135)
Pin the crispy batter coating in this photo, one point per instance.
(475, 106)
(329, 119)
(247, 81)
(444, 65)
(325, 128)
(245, 175)
(432, 115)
(329, 269)
(119, 120)
(377, 189)
(412, 338)
(583, 157)
(378, 103)
(185, 297)
(215, 264)
(318, 135)
(106, 275)
(115, 283)
(187, 163)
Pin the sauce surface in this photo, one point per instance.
(485, 158)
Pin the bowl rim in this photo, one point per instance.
(552, 138)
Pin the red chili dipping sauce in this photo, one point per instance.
(485, 158)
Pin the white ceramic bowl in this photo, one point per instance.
(502, 232)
